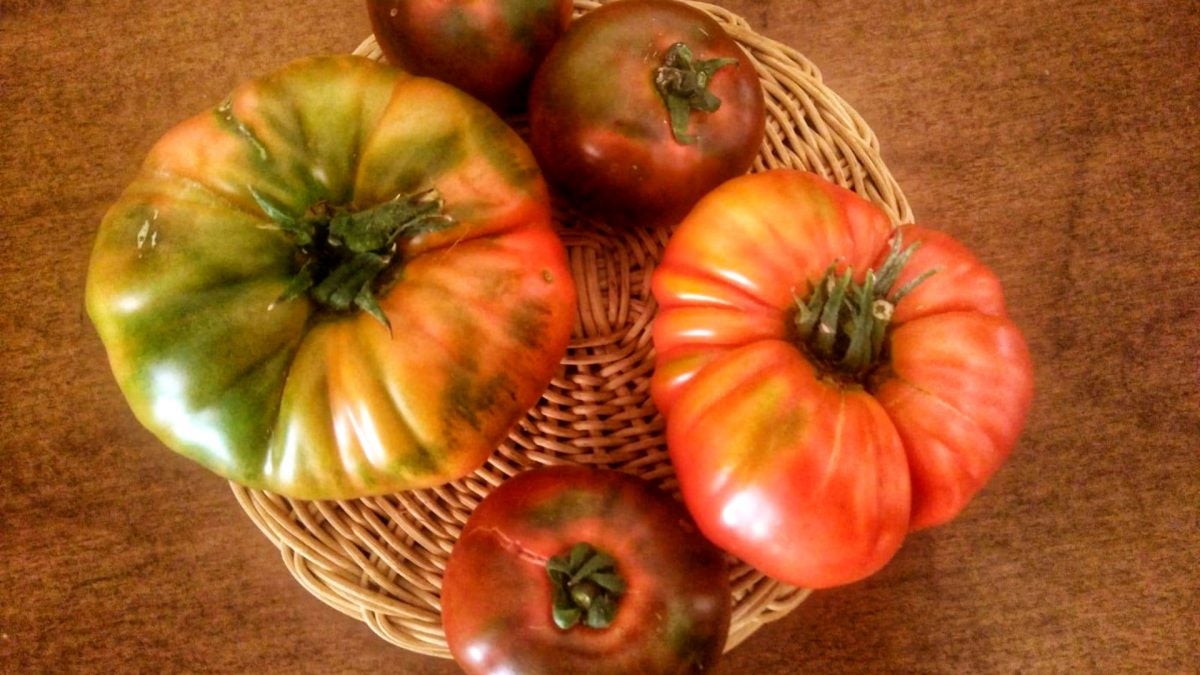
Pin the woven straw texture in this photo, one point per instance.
(380, 559)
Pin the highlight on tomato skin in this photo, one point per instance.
(851, 380)
(488, 48)
(570, 569)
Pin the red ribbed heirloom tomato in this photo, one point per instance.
(576, 570)
(341, 281)
(488, 48)
(829, 382)
(642, 107)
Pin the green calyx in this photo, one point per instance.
(586, 587)
(347, 257)
(682, 82)
(843, 323)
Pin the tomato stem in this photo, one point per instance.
(347, 256)
(682, 82)
(586, 587)
(843, 323)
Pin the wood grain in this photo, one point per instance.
(1059, 140)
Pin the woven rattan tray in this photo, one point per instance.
(380, 559)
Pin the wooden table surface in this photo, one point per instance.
(1059, 140)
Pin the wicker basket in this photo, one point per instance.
(380, 559)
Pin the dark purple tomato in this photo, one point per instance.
(578, 570)
(642, 107)
(487, 48)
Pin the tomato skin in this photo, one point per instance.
(802, 479)
(600, 129)
(496, 594)
(187, 269)
(837, 471)
(488, 48)
(958, 389)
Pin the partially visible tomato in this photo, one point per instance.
(487, 48)
(642, 107)
(823, 396)
(578, 570)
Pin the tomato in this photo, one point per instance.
(320, 287)
(487, 48)
(642, 107)
(578, 570)
(823, 397)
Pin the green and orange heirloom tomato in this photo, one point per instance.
(341, 281)
(642, 107)
(829, 382)
(488, 48)
(576, 570)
